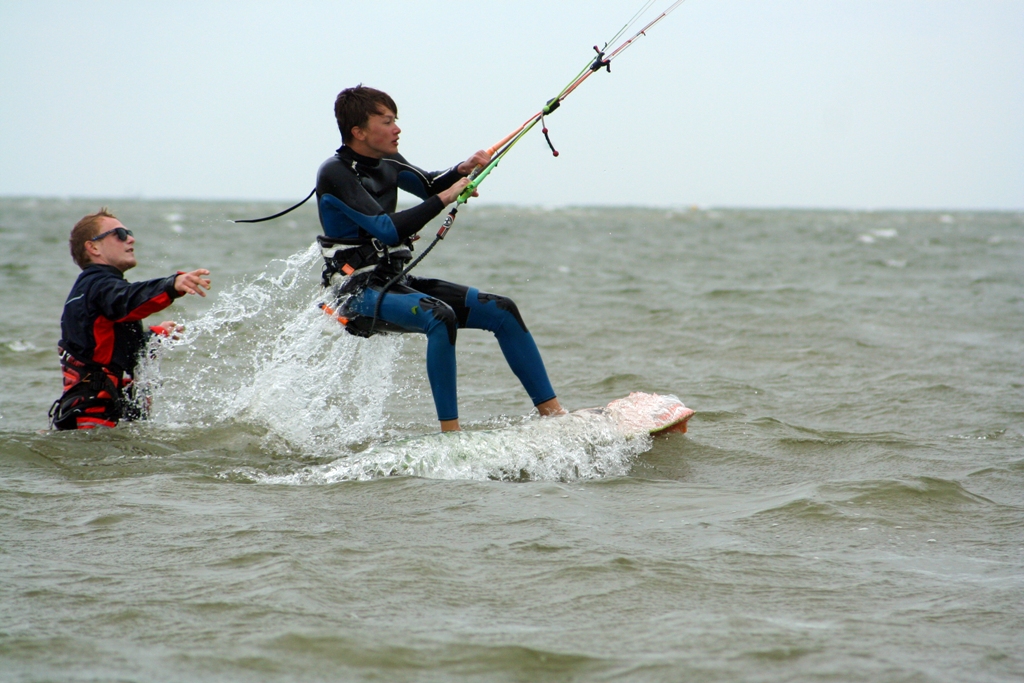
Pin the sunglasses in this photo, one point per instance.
(122, 234)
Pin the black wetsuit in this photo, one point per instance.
(357, 198)
(101, 339)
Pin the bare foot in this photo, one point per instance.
(551, 408)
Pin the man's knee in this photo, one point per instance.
(504, 304)
(444, 313)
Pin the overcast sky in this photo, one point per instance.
(755, 103)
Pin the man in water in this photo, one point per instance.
(101, 332)
(367, 242)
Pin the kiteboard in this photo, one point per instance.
(641, 413)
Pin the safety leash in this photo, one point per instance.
(279, 214)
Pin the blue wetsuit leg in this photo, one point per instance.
(438, 308)
(500, 315)
(414, 311)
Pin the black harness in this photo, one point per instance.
(90, 390)
(347, 257)
(351, 265)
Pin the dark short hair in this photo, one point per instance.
(354, 107)
(88, 227)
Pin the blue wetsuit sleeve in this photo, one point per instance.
(389, 228)
(337, 215)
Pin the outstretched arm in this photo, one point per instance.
(191, 282)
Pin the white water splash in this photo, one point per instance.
(568, 448)
(265, 354)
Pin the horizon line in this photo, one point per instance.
(682, 206)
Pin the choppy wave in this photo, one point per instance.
(880, 501)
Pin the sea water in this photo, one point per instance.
(848, 503)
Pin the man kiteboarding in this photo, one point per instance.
(367, 243)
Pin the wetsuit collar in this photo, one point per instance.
(106, 267)
(346, 153)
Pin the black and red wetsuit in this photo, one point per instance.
(101, 339)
